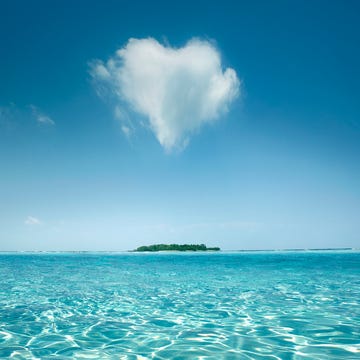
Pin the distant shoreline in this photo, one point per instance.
(175, 247)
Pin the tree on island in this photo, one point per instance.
(176, 247)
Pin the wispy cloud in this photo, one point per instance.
(40, 117)
(30, 220)
(177, 90)
(14, 117)
(125, 121)
(8, 116)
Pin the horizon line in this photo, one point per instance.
(174, 251)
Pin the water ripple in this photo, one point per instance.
(238, 306)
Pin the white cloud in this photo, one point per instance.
(41, 118)
(30, 220)
(177, 90)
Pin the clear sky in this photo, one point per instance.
(230, 123)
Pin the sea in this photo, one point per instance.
(219, 305)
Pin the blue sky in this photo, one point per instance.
(277, 166)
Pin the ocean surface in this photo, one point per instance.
(262, 305)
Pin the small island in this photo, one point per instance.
(176, 247)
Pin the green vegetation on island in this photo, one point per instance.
(176, 247)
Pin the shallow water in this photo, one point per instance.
(299, 305)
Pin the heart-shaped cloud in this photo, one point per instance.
(177, 90)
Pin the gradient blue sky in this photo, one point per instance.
(280, 170)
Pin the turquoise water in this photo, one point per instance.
(271, 305)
